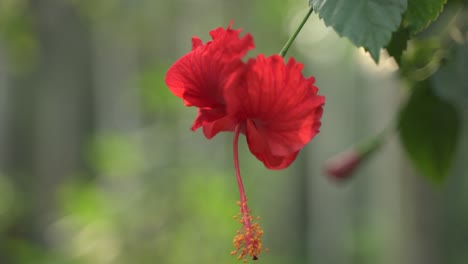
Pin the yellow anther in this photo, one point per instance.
(247, 241)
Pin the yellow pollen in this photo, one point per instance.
(247, 241)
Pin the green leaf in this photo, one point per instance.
(367, 23)
(429, 129)
(398, 43)
(421, 13)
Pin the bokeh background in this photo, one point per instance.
(98, 165)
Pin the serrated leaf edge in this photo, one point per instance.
(427, 23)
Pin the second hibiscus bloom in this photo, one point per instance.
(265, 98)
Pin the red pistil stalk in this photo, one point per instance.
(248, 239)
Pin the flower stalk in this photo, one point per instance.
(285, 49)
(247, 241)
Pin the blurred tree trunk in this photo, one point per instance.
(115, 60)
(4, 125)
(422, 211)
(4, 105)
(63, 103)
(50, 117)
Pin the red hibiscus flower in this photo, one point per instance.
(271, 102)
(279, 110)
(200, 77)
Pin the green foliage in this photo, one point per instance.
(17, 36)
(421, 59)
(398, 43)
(115, 155)
(84, 202)
(208, 206)
(421, 13)
(7, 200)
(375, 24)
(367, 23)
(155, 96)
(429, 129)
(27, 253)
(434, 65)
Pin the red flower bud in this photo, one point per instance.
(343, 165)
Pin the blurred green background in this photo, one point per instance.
(98, 165)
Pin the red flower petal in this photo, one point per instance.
(281, 107)
(260, 148)
(213, 121)
(200, 76)
(196, 42)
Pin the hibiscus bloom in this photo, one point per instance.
(277, 108)
(271, 102)
(200, 77)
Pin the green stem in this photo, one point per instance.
(293, 37)
(368, 146)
